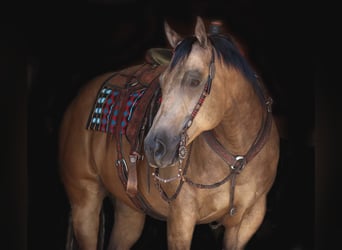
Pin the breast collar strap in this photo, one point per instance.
(239, 161)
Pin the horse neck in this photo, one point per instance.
(243, 117)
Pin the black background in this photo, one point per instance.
(293, 45)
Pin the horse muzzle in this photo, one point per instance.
(161, 149)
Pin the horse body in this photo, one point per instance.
(186, 191)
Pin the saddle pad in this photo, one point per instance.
(104, 116)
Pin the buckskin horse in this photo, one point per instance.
(187, 137)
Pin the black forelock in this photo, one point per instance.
(182, 50)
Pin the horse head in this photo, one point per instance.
(186, 82)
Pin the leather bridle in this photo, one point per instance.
(236, 163)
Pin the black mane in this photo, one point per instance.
(227, 50)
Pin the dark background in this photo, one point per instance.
(50, 50)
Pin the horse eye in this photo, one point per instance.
(194, 82)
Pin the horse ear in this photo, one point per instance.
(201, 33)
(172, 36)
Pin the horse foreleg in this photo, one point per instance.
(85, 209)
(180, 228)
(127, 228)
(237, 236)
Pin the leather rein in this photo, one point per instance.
(236, 163)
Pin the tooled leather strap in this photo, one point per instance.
(237, 162)
(136, 124)
(124, 93)
(127, 172)
(231, 159)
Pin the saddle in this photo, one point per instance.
(126, 105)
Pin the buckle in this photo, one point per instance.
(239, 164)
(122, 162)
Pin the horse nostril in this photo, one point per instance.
(159, 149)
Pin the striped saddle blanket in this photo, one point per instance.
(128, 100)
